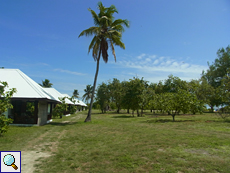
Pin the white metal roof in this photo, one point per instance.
(77, 102)
(28, 88)
(58, 95)
(82, 103)
(25, 86)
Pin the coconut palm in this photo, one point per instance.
(88, 93)
(46, 84)
(75, 93)
(107, 33)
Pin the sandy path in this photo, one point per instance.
(34, 150)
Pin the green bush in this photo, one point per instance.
(60, 109)
(4, 105)
(72, 109)
(4, 124)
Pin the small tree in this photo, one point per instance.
(116, 94)
(103, 96)
(72, 108)
(4, 105)
(182, 101)
(61, 108)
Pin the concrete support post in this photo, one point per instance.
(42, 112)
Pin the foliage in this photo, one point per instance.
(4, 124)
(75, 93)
(215, 75)
(60, 108)
(103, 96)
(88, 93)
(225, 88)
(96, 105)
(46, 83)
(174, 103)
(116, 94)
(72, 108)
(107, 33)
(134, 93)
(173, 84)
(146, 96)
(126, 97)
(4, 105)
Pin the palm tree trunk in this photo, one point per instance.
(88, 118)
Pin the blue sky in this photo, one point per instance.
(178, 37)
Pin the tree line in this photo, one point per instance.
(172, 95)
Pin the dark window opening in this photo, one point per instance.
(24, 112)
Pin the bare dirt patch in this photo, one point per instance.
(39, 148)
(29, 159)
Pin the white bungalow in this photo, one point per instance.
(32, 104)
(78, 103)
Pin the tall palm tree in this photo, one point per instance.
(88, 93)
(46, 84)
(107, 33)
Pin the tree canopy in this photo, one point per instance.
(215, 76)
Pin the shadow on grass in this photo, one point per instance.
(64, 123)
(156, 114)
(168, 120)
(122, 116)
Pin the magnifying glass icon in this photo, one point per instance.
(9, 160)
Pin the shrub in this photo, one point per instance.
(4, 124)
(4, 105)
(60, 109)
(72, 109)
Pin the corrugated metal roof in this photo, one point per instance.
(26, 87)
(77, 102)
(58, 95)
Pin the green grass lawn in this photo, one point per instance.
(122, 143)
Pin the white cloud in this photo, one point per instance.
(162, 66)
(69, 72)
(185, 65)
(175, 64)
(141, 56)
(148, 59)
(161, 58)
(168, 62)
(152, 56)
(156, 62)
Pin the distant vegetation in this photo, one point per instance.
(172, 95)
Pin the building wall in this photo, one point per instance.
(42, 112)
